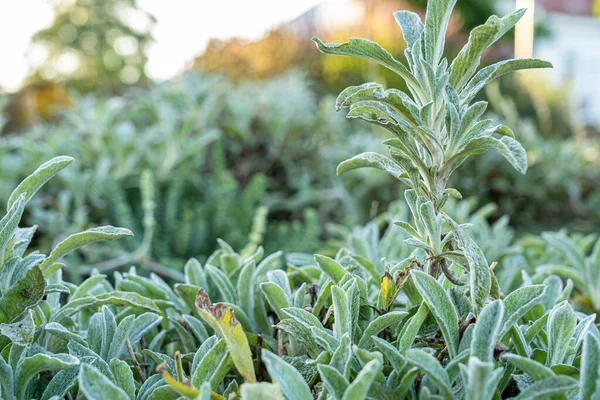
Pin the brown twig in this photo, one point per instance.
(136, 365)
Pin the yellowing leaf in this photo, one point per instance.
(388, 290)
(223, 321)
(184, 388)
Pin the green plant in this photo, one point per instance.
(574, 259)
(208, 154)
(335, 329)
(385, 318)
(436, 130)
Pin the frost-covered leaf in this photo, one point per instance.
(441, 307)
(436, 24)
(96, 386)
(466, 62)
(289, 379)
(371, 160)
(123, 376)
(21, 332)
(486, 331)
(562, 322)
(517, 303)
(487, 74)
(261, 391)
(30, 185)
(364, 48)
(432, 368)
(29, 367)
(78, 240)
(26, 293)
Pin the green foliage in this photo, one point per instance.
(563, 170)
(189, 162)
(397, 311)
(435, 130)
(317, 329)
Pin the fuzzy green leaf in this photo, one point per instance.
(371, 160)
(466, 62)
(369, 50)
(440, 305)
(96, 386)
(379, 324)
(487, 74)
(590, 366)
(26, 293)
(21, 332)
(115, 298)
(359, 388)
(29, 367)
(78, 240)
(411, 25)
(212, 364)
(10, 222)
(332, 268)
(333, 380)
(432, 368)
(261, 390)
(562, 322)
(436, 24)
(291, 381)
(548, 388)
(534, 369)
(30, 185)
(123, 376)
(517, 303)
(486, 331)
(479, 271)
(411, 328)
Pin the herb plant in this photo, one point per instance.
(390, 316)
(436, 129)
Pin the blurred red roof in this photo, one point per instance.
(574, 7)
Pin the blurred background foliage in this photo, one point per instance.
(95, 45)
(243, 146)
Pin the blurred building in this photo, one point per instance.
(573, 47)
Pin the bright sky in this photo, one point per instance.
(182, 30)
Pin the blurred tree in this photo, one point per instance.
(93, 45)
(289, 45)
